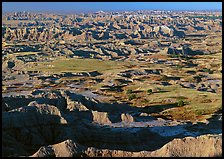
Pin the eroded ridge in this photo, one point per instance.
(74, 125)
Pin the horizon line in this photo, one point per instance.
(79, 11)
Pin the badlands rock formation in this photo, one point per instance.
(202, 146)
(58, 120)
(138, 83)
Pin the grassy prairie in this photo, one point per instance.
(25, 53)
(198, 105)
(78, 65)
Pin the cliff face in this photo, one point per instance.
(65, 124)
(202, 146)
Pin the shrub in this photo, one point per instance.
(145, 101)
(199, 112)
(164, 78)
(149, 91)
(180, 103)
(175, 55)
(132, 96)
(197, 79)
(179, 66)
(207, 70)
(129, 91)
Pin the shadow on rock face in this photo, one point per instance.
(57, 117)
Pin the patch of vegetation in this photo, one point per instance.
(164, 78)
(199, 112)
(149, 91)
(186, 58)
(129, 91)
(197, 79)
(207, 70)
(145, 101)
(161, 91)
(202, 112)
(131, 96)
(179, 66)
(180, 103)
(74, 65)
(175, 55)
(181, 98)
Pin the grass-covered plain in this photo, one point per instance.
(78, 65)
